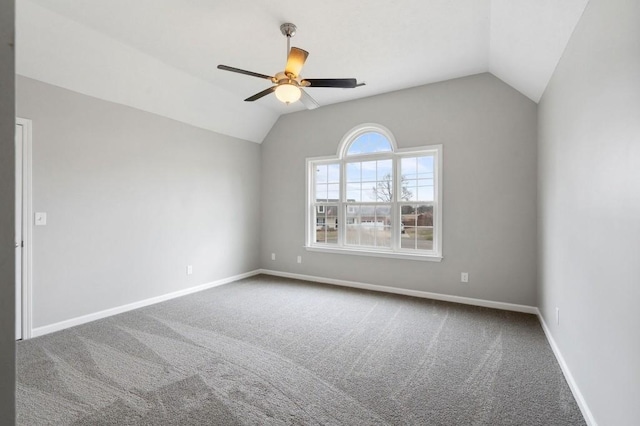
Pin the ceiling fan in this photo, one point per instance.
(289, 86)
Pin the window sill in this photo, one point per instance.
(375, 253)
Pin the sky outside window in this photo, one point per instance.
(368, 143)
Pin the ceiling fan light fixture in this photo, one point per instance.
(288, 93)
(288, 84)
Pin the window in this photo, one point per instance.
(389, 200)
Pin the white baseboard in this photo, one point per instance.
(40, 331)
(406, 292)
(582, 404)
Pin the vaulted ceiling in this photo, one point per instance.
(161, 55)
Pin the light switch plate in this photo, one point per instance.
(40, 218)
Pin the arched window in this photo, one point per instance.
(369, 143)
(367, 139)
(375, 199)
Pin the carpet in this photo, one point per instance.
(274, 351)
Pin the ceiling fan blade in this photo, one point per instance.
(261, 94)
(239, 71)
(295, 61)
(308, 101)
(346, 83)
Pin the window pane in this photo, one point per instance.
(417, 178)
(383, 236)
(369, 226)
(417, 238)
(369, 171)
(417, 227)
(327, 224)
(425, 166)
(353, 172)
(333, 192)
(385, 170)
(409, 191)
(425, 192)
(368, 143)
(383, 189)
(353, 221)
(327, 182)
(321, 192)
(333, 173)
(321, 173)
(354, 192)
(408, 166)
(375, 179)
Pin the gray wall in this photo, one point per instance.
(7, 170)
(132, 199)
(488, 131)
(589, 221)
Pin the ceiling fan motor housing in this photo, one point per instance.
(284, 78)
(288, 29)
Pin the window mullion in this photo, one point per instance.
(342, 217)
(437, 203)
(311, 203)
(395, 213)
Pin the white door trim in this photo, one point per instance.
(27, 226)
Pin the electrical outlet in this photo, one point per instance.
(189, 269)
(273, 256)
(299, 259)
(557, 315)
(464, 277)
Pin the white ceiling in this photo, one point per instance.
(161, 55)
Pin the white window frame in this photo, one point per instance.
(396, 155)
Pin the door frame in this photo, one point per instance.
(27, 225)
